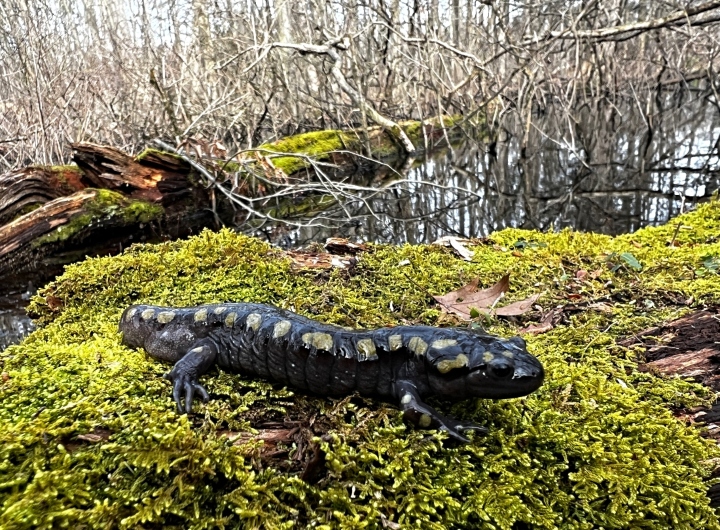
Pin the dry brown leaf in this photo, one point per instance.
(461, 301)
(517, 308)
(546, 324)
(536, 329)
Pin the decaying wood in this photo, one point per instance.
(34, 241)
(34, 186)
(110, 168)
(688, 347)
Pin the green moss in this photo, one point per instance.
(106, 205)
(317, 144)
(151, 151)
(27, 209)
(596, 447)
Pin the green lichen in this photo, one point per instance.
(105, 205)
(89, 436)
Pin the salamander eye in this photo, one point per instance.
(501, 371)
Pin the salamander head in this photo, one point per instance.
(136, 324)
(462, 364)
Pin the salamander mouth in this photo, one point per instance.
(525, 380)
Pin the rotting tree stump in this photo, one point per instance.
(51, 216)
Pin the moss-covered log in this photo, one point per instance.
(89, 436)
(25, 190)
(42, 205)
(68, 228)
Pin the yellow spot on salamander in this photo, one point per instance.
(148, 314)
(130, 314)
(165, 316)
(395, 342)
(425, 421)
(407, 398)
(418, 346)
(443, 343)
(201, 315)
(197, 350)
(366, 350)
(487, 356)
(508, 354)
(219, 309)
(321, 341)
(446, 365)
(230, 319)
(281, 328)
(253, 321)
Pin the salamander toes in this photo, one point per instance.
(473, 427)
(185, 387)
(456, 430)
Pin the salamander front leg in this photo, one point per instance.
(423, 415)
(184, 375)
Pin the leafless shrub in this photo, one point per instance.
(128, 71)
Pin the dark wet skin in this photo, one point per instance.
(403, 365)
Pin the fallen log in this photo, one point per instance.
(24, 190)
(65, 229)
(688, 347)
(50, 216)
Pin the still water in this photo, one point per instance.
(610, 171)
(610, 168)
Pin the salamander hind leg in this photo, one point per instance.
(186, 372)
(423, 415)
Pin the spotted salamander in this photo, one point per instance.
(404, 364)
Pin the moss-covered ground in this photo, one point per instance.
(89, 437)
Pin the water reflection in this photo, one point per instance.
(613, 170)
(14, 322)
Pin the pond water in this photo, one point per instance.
(14, 322)
(611, 168)
(612, 171)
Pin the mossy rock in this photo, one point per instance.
(89, 437)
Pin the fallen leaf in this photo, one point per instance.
(517, 308)
(463, 300)
(546, 324)
(596, 274)
(601, 306)
(457, 245)
(631, 261)
(100, 435)
(468, 303)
